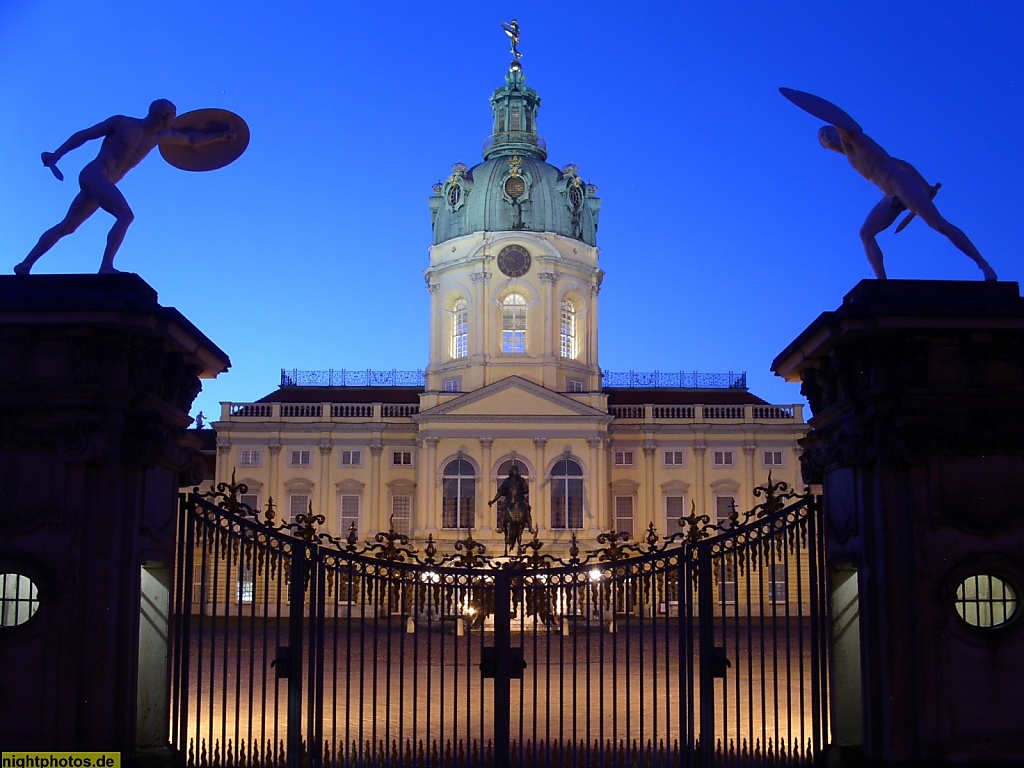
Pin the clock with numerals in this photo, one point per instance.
(514, 261)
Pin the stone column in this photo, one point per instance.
(430, 486)
(96, 381)
(597, 519)
(647, 492)
(539, 494)
(917, 437)
(487, 514)
(701, 490)
(375, 519)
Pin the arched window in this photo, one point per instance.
(570, 344)
(513, 325)
(567, 495)
(458, 502)
(460, 329)
(502, 473)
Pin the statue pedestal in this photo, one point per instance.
(96, 381)
(917, 389)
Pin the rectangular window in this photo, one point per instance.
(778, 591)
(675, 508)
(723, 458)
(401, 514)
(249, 457)
(727, 582)
(624, 515)
(574, 385)
(401, 458)
(673, 458)
(198, 584)
(724, 506)
(623, 458)
(453, 385)
(246, 589)
(773, 458)
(351, 458)
(299, 458)
(251, 500)
(298, 504)
(513, 342)
(348, 513)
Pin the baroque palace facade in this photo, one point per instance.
(512, 378)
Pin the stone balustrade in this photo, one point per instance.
(710, 413)
(316, 411)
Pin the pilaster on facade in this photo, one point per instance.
(597, 512)
(430, 480)
(699, 451)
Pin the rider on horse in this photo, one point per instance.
(513, 499)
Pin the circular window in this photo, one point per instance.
(575, 197)
(19, 599)
(984, 600)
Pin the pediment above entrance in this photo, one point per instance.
(510, 399)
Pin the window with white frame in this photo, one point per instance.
(298, 504)
(453, 384)
(674, 458)
(724, 506)
(773, 458)
(401, 458)
(401, 514)
(251, 500)
(245, 591)
(569, 342)
(458, 495)
(623, 458)
(249, 457)
(624, 515)
(574, 385)
(723, 458)
(778, 591)
(513, 325)
(299, 457)
(348, 512)
(727, 581)
(567, 495)
(675, 508)
(351, 457)
(460, 329)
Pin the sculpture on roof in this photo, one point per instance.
(904, 188)
(512, 30)
(201, 140)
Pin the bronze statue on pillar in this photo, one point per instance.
(201, 140)
(905, 189)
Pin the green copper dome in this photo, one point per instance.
(514, 188)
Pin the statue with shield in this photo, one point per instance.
(201, 140)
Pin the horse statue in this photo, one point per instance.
(514, 511)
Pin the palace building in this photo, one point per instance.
(512, 378)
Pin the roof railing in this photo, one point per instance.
(345, 377)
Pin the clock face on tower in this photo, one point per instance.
(514, 260)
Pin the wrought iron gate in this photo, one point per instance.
(707, 647)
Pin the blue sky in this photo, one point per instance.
(725, 228)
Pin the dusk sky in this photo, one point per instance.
(725, 228)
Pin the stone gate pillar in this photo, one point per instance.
(96, 381)
(917, 389)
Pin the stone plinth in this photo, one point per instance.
(917, 390)
(96, 381)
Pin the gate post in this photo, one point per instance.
(917, 389)
(296, 618)
(502, 666)
(96, 383)
(706, 640)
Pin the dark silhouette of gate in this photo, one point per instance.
(706, 647)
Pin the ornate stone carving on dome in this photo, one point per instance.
(548, 277)
(480, 277)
